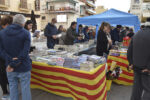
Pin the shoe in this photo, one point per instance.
(6, 97)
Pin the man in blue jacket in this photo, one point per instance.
(14, 48)
(51, 33)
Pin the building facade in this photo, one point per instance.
(65, 11)
(13, 7)
(90, 6)
(136, 8)
(100, 9)
(141, 8)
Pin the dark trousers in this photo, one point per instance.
(3, 77)
(141, 87)
(50, 45)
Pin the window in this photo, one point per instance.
(2, 2)
(37, 5)
(43, 17)
(137, 1)
(146, 6)
(61, 18)
(23, 4)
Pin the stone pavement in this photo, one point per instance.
(118, 92)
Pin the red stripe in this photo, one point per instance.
(123, 65)
(125, 58)
(118, 63)
(126, 80)
(128, 73)
(125, 72)
(89, 87)
(55, 90)
(70, 72)
(105, 96)
(90, 97)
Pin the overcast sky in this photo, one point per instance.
(122, 5)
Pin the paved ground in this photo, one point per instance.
(117, 92)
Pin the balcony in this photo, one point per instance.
(146, 0)
(91, 4)
(146, 14)
(146, 7)
(90, 11)
(52, 9)
(4, 3)
(84, 1)
(135, 7)
(70, 1)
(24, 6)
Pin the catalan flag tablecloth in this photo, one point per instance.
(80, 85)
(126, 78)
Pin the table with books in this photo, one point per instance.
(119, 58)
(80, 77)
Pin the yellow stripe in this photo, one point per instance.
(67, 89)
(102, 96)
(122, 82)
(124, 69)
(61, 88)
(81, 80)
(126, 76)
(57, 93)
(93, 92)
(118, 59)
(72, 78)
(79, 71)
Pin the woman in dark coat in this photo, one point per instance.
(103, 40)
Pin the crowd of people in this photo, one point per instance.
(16, 44)
(70, 37)
(108, 36)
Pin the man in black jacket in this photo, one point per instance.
(139, 60)
(71, 35)
(51, 33)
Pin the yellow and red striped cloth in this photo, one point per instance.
(80, 85)
(126, 78)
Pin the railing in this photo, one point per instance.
(146, 7)
(62, 9)
(91, 11)
(90, 3)
(146, 0)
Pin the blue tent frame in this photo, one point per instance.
(112, 16)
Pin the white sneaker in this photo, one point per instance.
(6, 97)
